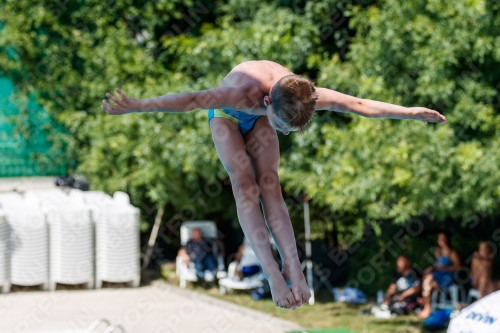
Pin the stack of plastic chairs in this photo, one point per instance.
(4, 253)
(28, 241)
(90, 237)
(117, 238)
(71, 237)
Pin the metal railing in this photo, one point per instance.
(109, 328)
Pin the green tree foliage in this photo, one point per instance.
(71, 53)
(416, 53)
(435, 53)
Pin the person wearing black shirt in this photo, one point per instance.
(405, 288)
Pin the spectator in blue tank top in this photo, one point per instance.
(442, 274)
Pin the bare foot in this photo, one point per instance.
(282, 295)
(300, 289)
(425, 312)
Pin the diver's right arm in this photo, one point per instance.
(221, 97)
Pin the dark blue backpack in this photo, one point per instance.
(437, 320)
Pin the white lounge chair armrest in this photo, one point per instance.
(231, 270)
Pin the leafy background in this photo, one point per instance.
(367, 178)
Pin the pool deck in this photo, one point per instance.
(157, 308)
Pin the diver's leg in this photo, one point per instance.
(232, 153)
(262, 145)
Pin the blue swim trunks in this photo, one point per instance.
(244, 121)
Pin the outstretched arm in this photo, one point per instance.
(222, 97)
(334, 101)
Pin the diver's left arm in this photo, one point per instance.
(335, 101)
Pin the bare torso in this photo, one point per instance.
(260, 75)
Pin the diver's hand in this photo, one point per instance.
(427, 115)
(123, 106)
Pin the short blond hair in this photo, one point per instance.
(294, 100)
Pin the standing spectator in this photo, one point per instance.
(481, 270)
(405, 288)
(199, 250)
(442, 274)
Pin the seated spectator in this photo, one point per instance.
(442, 274)
(199, 250)
(481, 270)
(248, 264)
(405, 288)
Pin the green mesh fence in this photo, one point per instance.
(29, 153)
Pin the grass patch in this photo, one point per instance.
(324, 314)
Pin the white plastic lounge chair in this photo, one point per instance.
(231, 282)
(28, 246)
(9, 197)
(188, 272)
(71, 237)
(117, 239)
(71, 246)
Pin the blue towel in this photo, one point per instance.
(349, 295)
